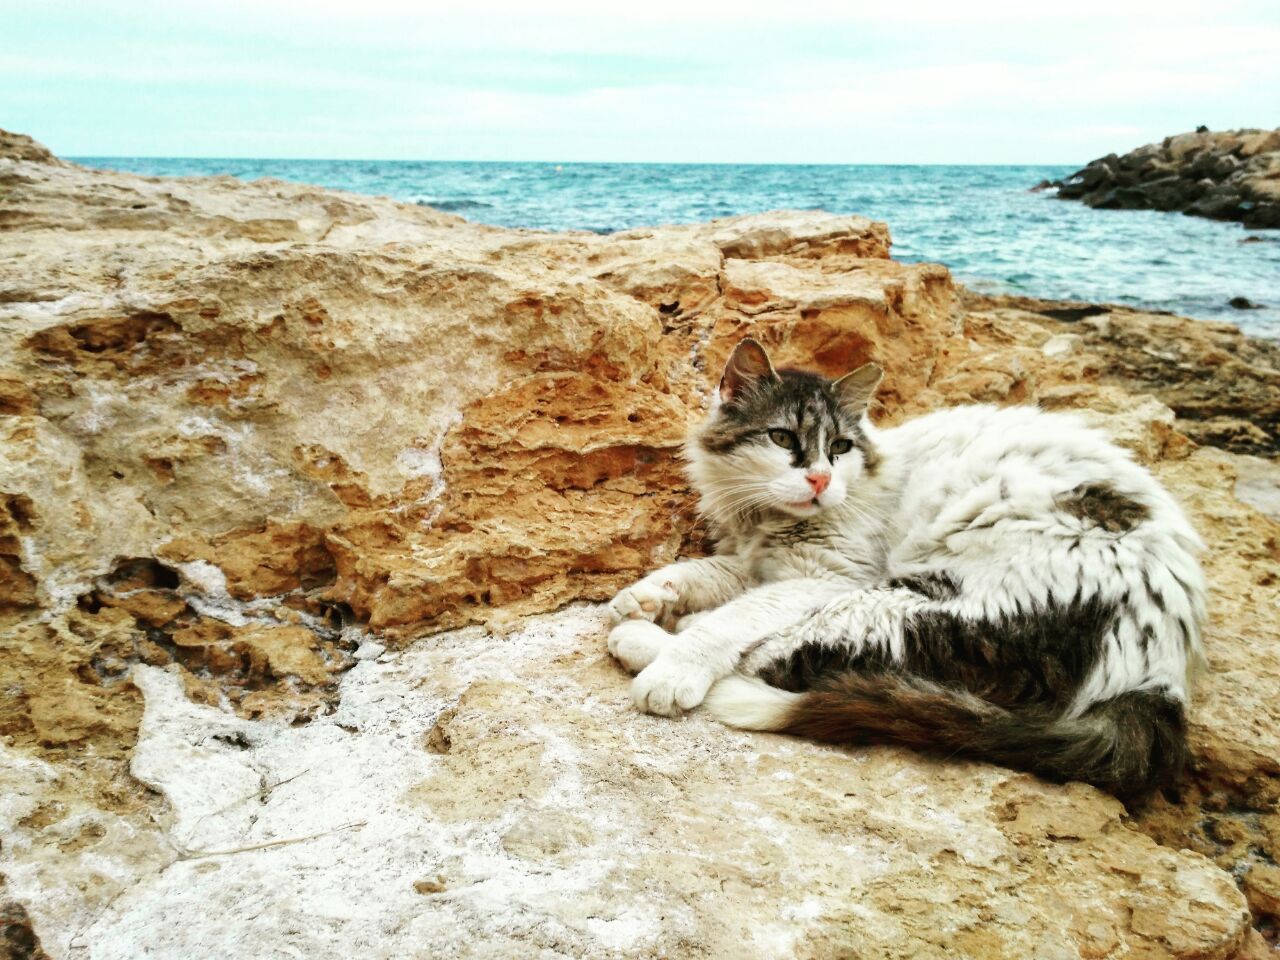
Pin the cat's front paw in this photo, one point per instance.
(637, 643)
(652, 598)
(668, 688)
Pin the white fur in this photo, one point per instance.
(762, 475)
(968, 491)
(637, 643)
(749, 703)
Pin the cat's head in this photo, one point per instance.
(783, 441)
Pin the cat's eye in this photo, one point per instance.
(783, 438)
(840, 446)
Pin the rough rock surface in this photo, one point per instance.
(1228, 175)
(263, 441)
(1223, 386)
(499, 798)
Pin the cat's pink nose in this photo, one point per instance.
(818, 481)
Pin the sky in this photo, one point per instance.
(891, 81)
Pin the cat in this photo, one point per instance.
(1000, 583)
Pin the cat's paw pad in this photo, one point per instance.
(668, 689)
(637, 643)
(650, 599)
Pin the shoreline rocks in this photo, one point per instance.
(1227, 175)
(263, 442)
(1221, 384)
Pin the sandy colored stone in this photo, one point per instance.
(274, 558)
(560, 822)
(1262, 887)
(253, 429)
(17, 586)
(150, 608)
(66, 684)
(17, 939)
(262, 653)
(1223, 386)
(429, 886)
(295, 399)
(19, 146)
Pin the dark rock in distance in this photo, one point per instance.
(1244, 303)
(1231, 175)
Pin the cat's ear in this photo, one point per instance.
(748, 364)
(856, 389)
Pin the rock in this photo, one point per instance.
(1223, 176)
(1091, 178)
(1223, 386)
(17, 940)
(1219, 202)
(1262, 887)
(1263, 216)
(1258, 484)
(264, 442)
(1118, 198)
(369, 650)
(1243, 303)
(558, 820)
(18, 146)
(430, 886)
(1255, 143)
(1062, 345)
(1169, 193)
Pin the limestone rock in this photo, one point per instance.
(18, 146)
(551, 820)
(262, 442)
(1223, 386)
(311, 408)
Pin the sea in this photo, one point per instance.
(983, 222)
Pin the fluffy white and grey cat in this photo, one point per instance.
(1000, 583)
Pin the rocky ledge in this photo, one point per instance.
(306, 500)
(1230, 175)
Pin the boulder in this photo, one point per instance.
(1263, 216)
(1119, 198)
(1232, 175)
(1171, 193)
(1220, 202)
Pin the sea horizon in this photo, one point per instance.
(983, 221)
(87, 159)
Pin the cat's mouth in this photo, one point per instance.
(812, 502)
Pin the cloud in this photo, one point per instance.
(915, 80)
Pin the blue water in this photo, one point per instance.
(981, 221)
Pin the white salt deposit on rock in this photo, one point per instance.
(477, 796)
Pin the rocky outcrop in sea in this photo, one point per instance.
(1230, 175)
(307, 502)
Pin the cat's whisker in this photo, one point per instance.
(739, 507)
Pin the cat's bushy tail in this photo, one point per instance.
(1126, 745)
